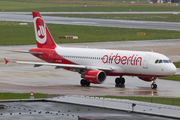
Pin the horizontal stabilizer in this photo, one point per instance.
(6, 61)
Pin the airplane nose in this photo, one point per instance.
(172, 69)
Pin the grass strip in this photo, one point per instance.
(173, 77)
(12, 33)
(177, 64)
(144, 17)
(54, 6)
(159, 100)
(6, 96)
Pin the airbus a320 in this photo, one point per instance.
(95, 64)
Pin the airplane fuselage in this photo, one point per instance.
(122, 62)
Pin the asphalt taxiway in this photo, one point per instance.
(46, 79)
(5, 16)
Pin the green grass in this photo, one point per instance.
(11, 33)
(29, 7)
(6, 96)
(159, 100)
(173, 77)
(144, 17)
(23, 6)
(177, 64)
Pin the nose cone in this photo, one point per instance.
(172, 69)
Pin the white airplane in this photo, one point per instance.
(95, 64)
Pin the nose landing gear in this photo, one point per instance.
(153, 85)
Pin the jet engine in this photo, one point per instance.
(94, 76)
(148, 79)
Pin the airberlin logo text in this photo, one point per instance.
(124, 60)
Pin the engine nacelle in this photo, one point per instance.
(148, 79)
(94, 76)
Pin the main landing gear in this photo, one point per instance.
(120, 81)
(83, 82)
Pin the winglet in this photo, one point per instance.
(6, 61)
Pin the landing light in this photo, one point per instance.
(152, 81)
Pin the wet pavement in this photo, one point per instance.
(46, 79)
(63, 111)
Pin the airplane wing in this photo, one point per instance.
(38, 64)
(24, 51)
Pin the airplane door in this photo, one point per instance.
(145, 62)
(51, 55)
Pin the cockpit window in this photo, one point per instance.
(156, 61)
(162, 61)
(166, 61)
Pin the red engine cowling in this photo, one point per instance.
(148, 79)
(95, 76)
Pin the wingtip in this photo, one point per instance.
(6, 61)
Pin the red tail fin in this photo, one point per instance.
(43, 36)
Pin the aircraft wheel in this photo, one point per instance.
(87, 83)
(117, 81)
(153, 86)
(83, 82)
(122, 81)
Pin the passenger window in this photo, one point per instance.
(156, 61)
